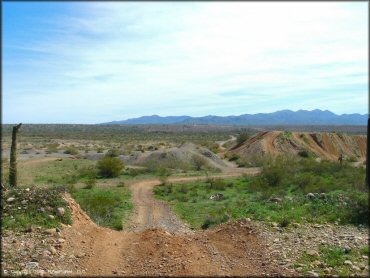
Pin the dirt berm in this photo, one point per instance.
(324, 145)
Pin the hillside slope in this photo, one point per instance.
(324, 145)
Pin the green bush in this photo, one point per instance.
(71, 150)
(113, 153)
(110, 167)
(303, 154)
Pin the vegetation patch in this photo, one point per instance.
(36, 206)
(108, 207)
(300, 190)
(340, 260)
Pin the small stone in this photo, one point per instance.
(80, 255)
(61, 240)
(365, 257)
(348, 262)
(313, 274)
(32, 265)
(11, 199)
(51, 216)
(311, 196)
(24, 202)
(312, 253)
(356, 268)
(50, 231)
(27, 189)
(362, 266)
(60, 211)
(52, 250)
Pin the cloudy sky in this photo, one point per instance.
(96, 62)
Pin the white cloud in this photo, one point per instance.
(110, 61)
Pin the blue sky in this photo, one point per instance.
(80, 62)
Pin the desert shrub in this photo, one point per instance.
(303, 153)
(70, 179)
(90, 183)
(133, 172)
(220, 216)
(110, 167)
(217, 184)
(113, 153)
(242, 137)
(121, 184)
(273, 175)
(88, 171)
(234, 157)
(198, 162)
(358, 208)
(182, 188)
(52, 148)
(100, 150)
(163, 189)
(162, 172)
(71, 150)
(284, 222)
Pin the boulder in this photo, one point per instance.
(216, 197)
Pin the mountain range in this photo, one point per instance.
(283, 117)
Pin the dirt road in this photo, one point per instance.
(160, 244)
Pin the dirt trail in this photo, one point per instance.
(152, 213)
(160, 244)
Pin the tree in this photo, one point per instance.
(13, 157)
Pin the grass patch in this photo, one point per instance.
(334, 257)
(59, 172)
(108, 207)
(343, 197)
(33, 206)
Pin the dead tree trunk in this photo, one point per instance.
(13, 157)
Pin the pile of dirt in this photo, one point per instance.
(175, 156)
(328, 146)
